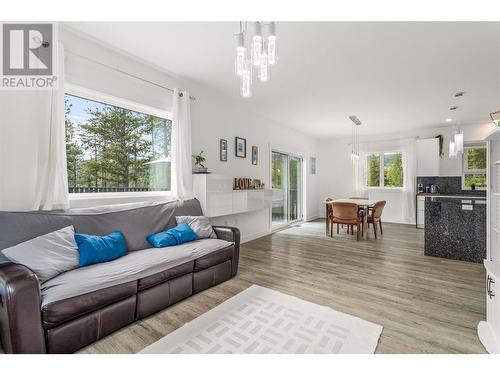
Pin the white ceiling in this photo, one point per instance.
(393, 76)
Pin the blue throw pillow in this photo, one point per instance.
(180, 234)
(99, 249)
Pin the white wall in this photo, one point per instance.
(335, 173)
(213, 115)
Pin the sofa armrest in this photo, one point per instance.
(230, 234)
(20, 315)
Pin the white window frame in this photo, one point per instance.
(91, 199)
(381, 172)
(465, 170)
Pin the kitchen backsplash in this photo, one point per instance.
(448, 185)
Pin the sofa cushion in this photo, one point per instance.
(133, 266)
(48, 255)
(100, 249)
(214, 258)
(60, 311)
(199, 224)
(161, 277)
(180, 234)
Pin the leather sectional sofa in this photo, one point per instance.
(59, 316)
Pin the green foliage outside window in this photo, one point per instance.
(110, 148)
(393, 170)
(475, 167)
(392, 165)
(373, 170)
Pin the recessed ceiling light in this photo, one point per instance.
(449, 120)
(459, 94)
(453, 108)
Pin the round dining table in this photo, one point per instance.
(365, 204)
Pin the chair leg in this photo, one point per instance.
(337, 229)
(352, 230)
(331, 228)
(357, 234)
(380, 225)
(375, 229)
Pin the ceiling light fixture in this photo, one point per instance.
(453, 108)
(495, 117)
(449, 120)
(459, 142)
(459, 94)
(453, 151)
(355, 139)
(262, 54)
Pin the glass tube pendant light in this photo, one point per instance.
(257, 44)
(271, 44)
(257, 52)
(240, 60)
(453, 151)
(459, 142)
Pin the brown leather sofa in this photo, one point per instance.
(67, 325)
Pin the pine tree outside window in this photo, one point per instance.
(384, 170)
(111, 149)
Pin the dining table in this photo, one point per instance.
(364, 204)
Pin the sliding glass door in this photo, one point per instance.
(286, 173)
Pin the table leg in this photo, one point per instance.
(326, 206)
(365, 220)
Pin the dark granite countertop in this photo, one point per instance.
(456, 228)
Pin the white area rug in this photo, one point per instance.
(261, 320)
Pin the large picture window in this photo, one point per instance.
(115, 149)
(474, 167)
(384, 170)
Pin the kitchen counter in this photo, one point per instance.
(455, 227)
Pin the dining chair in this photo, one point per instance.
(327, 201)
(375, 217)
(345, 213)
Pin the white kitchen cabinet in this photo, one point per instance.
(420, 211)
(427, 157)
(489, 330)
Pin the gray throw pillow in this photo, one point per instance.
(48, 255)
(199, 224)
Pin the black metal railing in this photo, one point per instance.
(89, 189)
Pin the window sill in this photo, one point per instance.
(84, 200)
(386, 188)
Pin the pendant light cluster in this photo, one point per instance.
(457, 142)
(355, 139)
(257, 52)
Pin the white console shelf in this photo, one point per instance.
(217, 197)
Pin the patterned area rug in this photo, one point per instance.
(260, 320)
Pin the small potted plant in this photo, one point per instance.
(199, 161)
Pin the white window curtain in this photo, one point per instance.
(182, 177)
(32, 147)
(408, 147)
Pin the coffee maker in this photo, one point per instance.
(420, 188)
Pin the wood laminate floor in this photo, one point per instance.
(425, 304)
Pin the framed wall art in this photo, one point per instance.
(223, 149)
(240, 149)
(255, 155)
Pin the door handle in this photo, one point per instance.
(488, 287)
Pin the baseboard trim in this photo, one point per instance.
(254, 236)
(312, 218)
